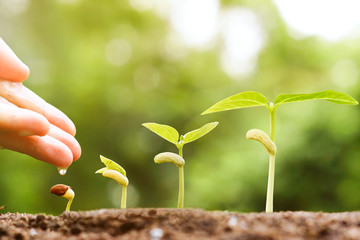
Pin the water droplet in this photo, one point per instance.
(62, 171)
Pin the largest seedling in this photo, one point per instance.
(253, 99)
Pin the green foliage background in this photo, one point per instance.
(318, 157)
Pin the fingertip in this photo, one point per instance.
(23, 73)
(62, 157)
(12, 68)
(52, 151)
(66, 139)
(77, 151)
(71, 128)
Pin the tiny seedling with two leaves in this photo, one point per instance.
(171, 134)
(253, 99)
(116, 172)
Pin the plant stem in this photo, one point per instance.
(181, 188)
(181, 183)
(123, 197)
(68, 205)
(271, 176)
(272, 122)
(270, 187)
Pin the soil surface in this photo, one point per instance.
(184, 224)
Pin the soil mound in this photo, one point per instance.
(180, 224)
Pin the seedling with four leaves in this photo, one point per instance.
(253, 99)
(171, 134)
(116, 172)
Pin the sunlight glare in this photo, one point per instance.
(196, 21)
(243, 38)
(327, 19)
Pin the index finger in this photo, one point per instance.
(23, 97)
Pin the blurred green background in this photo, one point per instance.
(113, 65)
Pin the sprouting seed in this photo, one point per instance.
(65, 192)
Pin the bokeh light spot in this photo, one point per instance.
(146, 77)
(243, 39)
(118, 51)
(345, 73)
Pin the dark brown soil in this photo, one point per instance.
(184, 224)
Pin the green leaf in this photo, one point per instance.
(241, 100)
(329, 95)
(110, 164)
(164, 131)
(198, 133)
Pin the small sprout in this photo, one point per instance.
(116, 172)
(65, 192)
(171, 134)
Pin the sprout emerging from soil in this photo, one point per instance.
(65, 192)
(116, 172)
(253, 99)
(171, 134)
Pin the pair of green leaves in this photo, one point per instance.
(252, 99)
(170, 134)
(111, 165)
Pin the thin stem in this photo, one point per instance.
(181, 188)
(271, 176)
(272, 122)
(181, 151)
(68, 205)
(181, 182)
(123, 197)
(270, 187)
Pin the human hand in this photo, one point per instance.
(28, 124)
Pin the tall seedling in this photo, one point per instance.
(171, 134)
(253, 99)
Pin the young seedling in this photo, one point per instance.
(65, 192)
(253, 99)
(116, 172)
(171, 134)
